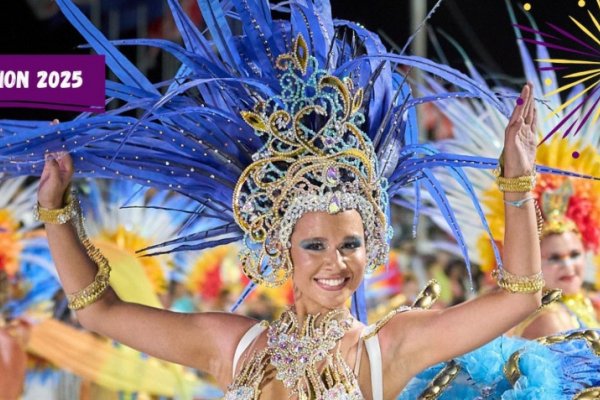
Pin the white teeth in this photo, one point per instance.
(331, 282)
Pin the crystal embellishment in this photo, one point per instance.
(296, 350)
(306, 359)
(334, 205)
(332, 176)
(240, 393)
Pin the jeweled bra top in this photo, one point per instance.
(306, 358)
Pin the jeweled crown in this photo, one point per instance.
(315, 158)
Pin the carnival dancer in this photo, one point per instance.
(324, 227)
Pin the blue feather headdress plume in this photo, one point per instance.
(191, 136)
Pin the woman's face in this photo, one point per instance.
(563, 262)
(329, 257)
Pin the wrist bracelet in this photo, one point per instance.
(57, 216)
(518, 203)
(520, 184)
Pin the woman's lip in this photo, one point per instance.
(566, 278)
(331, 288)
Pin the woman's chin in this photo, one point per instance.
(569, 287)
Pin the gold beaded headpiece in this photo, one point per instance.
(555, 204)
(315, 158)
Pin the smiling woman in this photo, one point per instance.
(563, 261)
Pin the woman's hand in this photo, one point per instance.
(55, 179)
(520, 141)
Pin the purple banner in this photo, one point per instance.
(57, 82)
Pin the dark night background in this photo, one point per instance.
(482, 27)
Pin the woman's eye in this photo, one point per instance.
(554, 259)
(314, 246)
(351, 245)
(575, 255)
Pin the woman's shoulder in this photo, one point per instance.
(546, 321)
(402, 314)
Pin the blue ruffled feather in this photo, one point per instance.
(559, 372)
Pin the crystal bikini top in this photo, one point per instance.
(306, 359)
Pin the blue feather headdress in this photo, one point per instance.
(191, 135)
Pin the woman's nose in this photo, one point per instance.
(567, 262)
(336, 259)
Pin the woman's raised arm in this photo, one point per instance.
(205, 341)
(428, 337)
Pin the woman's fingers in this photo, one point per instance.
(65, 162)
(517, 119)
(56, 175)
(519, 107)
(51, 167)
(513, 129)
(530, 106)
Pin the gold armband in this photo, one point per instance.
(428, 295)
(550, 296)
(517, 283)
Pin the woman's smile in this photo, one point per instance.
(331, 284)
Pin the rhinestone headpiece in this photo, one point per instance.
(555, 204)
(315, 158)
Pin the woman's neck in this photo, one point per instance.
(303, 313)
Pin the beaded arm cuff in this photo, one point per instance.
(520, 184)
(57, 216)
(517, 283)
(72, 212)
